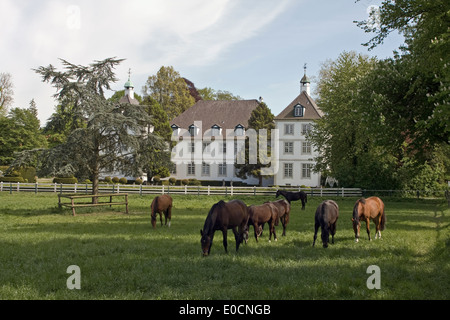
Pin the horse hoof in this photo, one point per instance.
(356, 240)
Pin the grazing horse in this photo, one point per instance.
(366, 210)
(258, 215)
(294, 196)
(284, 210)
(326, 217)
(162, 204)
(224, 216)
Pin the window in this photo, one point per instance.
(239, 130)
(175, 129)
(306, 147)
(222, 169)
(288, 129)
(192, 147)
(299, 110)
(193, 130)
(306, 128)
(206, 169)
(224, 147)
(306, 170)
(288, 170)
(191, 169)
(289, 147)
(215, 130)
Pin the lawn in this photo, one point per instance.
(121, 257)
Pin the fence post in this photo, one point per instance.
(1, 186)
(254, 190)
(140, 190)
(162, 189)
(18, 186)
(231, 190)
(54, 188)
(10, 188)
(342, 192)
(35, 187)
(75, 188)
(209, 187)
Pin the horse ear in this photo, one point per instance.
(201, 233)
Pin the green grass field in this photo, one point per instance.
(121, 257)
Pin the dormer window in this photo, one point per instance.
(299, 110)
(215, 130)
(239, 131)
(193, 130)
(175, 129)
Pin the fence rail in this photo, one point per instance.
(206, 190)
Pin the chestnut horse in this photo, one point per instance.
(284, 210)
(258, 215)
(326, 217)
(162, 204)
(224, 216)
(366, 210)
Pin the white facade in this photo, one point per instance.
(296, 155)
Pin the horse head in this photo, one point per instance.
(278, 194)
(206, 242)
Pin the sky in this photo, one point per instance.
(252, 48)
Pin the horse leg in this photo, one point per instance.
(368, 228)
(378, 227)
(303, 204)
(333, 232)
(160, 217)
(283, 222)
(236, 237)
(256, 229)
(316, 228)
(225, 242)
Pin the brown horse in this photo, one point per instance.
(284, 210)
(258, 215)
(326, 217)
(162, 204)
(224, 216)
(366, 210)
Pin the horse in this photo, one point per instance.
(223, 216)
(326, 217)
(369, 209)
(162, 204)
(258, 216)
(284, 210)
(294, 196)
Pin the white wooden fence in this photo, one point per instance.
(188, 190)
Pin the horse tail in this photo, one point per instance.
(383, 220)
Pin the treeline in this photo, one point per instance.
(387, 122)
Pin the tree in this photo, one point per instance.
(6, 92)
(260, 119)
(411, 116)
(346, 150)
(113, 138)
(211, 94)
(20, 131)
(170, 90)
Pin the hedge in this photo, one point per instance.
(72, 180)
(12, 179)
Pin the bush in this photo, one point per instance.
(108, 180)
(156, 179)
(139, 181)
(184, 182)
(194, 182)
(71, 180)
(172, 181)
(115, 180)
(123, 180)
(12, 179)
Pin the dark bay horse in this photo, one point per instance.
(326, 217)
(162, 204)
(294, 196)
(259, 215)
(369, 209)
(223, 216)
(284, 210)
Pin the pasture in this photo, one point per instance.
(121, 257)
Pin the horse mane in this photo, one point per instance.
(155, 207)
(355, 209)
(212, 215)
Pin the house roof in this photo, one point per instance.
(312, 111)
(226, 114)
(126, 99)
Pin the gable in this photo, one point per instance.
(310, 112)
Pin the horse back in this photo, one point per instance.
(327, 212)
(162, 202)
(231, 214)
(262, 213)
(374, 206)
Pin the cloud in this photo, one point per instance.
(148, 33)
